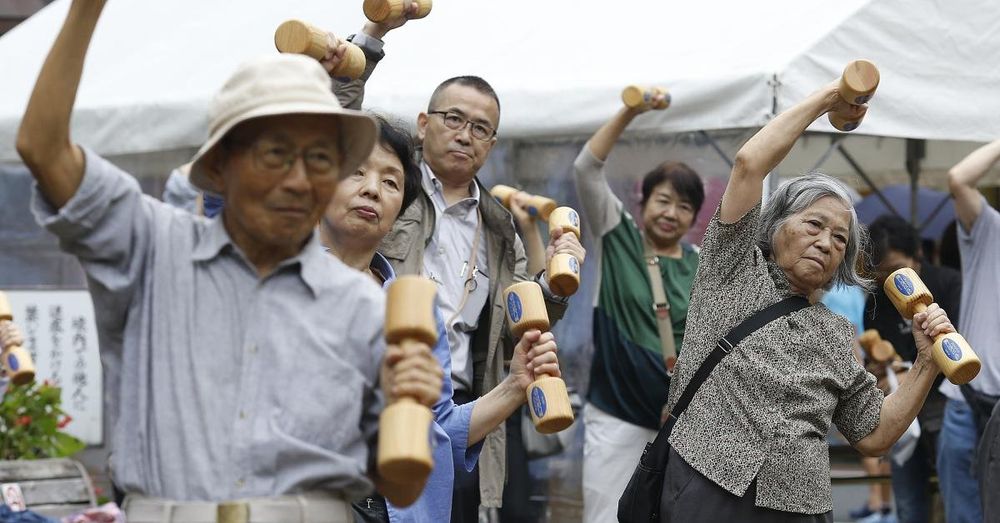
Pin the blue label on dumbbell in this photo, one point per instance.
(532, 210)
(862, 99)
(514, 307)
(12, 363)
(538, 402)
(574, 265)
(904, 284)
(951, 349)
(574, 219)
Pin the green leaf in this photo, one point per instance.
(66, 445)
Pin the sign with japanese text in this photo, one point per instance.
(60, 333)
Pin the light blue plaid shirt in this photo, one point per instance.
(222, 384)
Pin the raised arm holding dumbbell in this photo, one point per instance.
(562, 258)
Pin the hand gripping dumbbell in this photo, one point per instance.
(296, 36)
(564, 269)
(635, 96)
(857, 85)
(380, 10)
(548, 400)
(951, 352)
(404, 452)
(539, 206)
(878, 349)
(17, 363)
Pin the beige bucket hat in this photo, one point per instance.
(283, 84)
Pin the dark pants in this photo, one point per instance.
(989, 467)
(911, 481)
(465, 495)
(689, 497)
(517, 504)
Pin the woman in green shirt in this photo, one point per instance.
(628, 377)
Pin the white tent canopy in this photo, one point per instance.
(558, 65)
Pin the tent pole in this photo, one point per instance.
(715, 145)
(771, 180)
(834, 145)
(914, 153)
(864, 176)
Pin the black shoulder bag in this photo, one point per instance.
(640, 503)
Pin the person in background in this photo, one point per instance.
(895, 245)
(629, 376)
(849, 302)
(969, 406)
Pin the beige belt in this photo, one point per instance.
(305, 508)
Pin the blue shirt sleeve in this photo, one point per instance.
(454, 419)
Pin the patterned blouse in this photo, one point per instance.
(765, 410)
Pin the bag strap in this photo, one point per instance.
(728, 342)
(661, 307)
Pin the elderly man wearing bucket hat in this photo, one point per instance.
(229, 407)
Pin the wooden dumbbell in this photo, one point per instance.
(17, 363)
(951, 352)
(857, 85)
(564, 269)
(539, 206)
(380, 10)
(635, 96)
(296, 36)
(547, 396)
(878, 349)
(404, 452)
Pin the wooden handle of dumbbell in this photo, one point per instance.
(635, 96)
(858, 83)
(951, 352)
(882, 351)
(380, 10)
(539, 206)
(869, 338)
(564, 269)
(296, 36)
(16, 361)
(404, 452)
(503, 193)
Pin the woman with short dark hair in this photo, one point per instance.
(629, 376)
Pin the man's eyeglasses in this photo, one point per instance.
(278, 157)
(457, 122)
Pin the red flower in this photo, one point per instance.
(23, 420)
(65, 421)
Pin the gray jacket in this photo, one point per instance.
(491, 348)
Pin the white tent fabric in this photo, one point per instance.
(558, 65)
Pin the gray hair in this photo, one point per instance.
(794, 196)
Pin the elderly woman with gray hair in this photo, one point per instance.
(751, 446)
